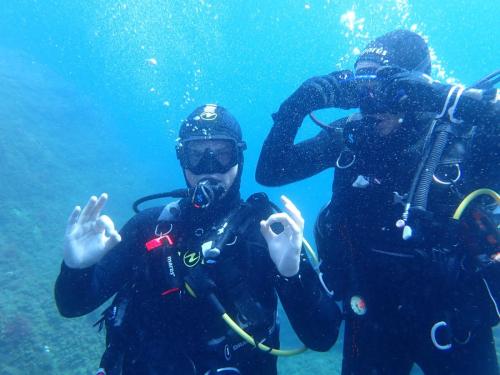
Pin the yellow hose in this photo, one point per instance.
(310, 251)
(469, 198)
(249, 339)
(245, 336)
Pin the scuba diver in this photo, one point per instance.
(196, 282)
(409, 240)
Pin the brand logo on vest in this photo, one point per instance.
(171, 269)
(191, 258)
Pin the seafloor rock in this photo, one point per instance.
(51, 141)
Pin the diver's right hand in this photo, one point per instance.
(89, 235)
(337, 89)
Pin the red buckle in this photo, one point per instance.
(159, 241)
(170, 291)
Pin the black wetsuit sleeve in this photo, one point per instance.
(480, 107)
(282, 162)
(80, 291)
(313, 314)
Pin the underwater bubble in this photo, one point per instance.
(348, 19)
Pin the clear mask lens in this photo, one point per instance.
(203, 160)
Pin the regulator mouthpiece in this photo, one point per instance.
(207, 192)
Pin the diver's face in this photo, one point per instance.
(227, 179)
(214, 159)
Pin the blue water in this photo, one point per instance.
(91, 95)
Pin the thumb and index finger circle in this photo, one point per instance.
(105, 224)
(265, 229)
(284, 219)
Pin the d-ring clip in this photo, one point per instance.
(451, 180)
(159, 233)
(347, 165)
(434, 329)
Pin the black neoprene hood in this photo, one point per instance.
(402, 48)
(210, 121)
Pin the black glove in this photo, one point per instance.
(407, 91)
(479, 237)
(400, 90)
(337, 89)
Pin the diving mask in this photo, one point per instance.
(209, 156)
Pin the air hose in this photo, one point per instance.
(489, 81)
(214, 301)
(310, 251)
(420, 187)
(424, 183)
(469, 198)
(178, 193)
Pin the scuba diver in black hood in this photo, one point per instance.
(414, 262)
(196, 281)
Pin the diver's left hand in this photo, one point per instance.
(285, 247)
(404, 90)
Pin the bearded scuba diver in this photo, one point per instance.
(196, 281)
(409, 240)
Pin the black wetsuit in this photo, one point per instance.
(401, 289)
(166, 330)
